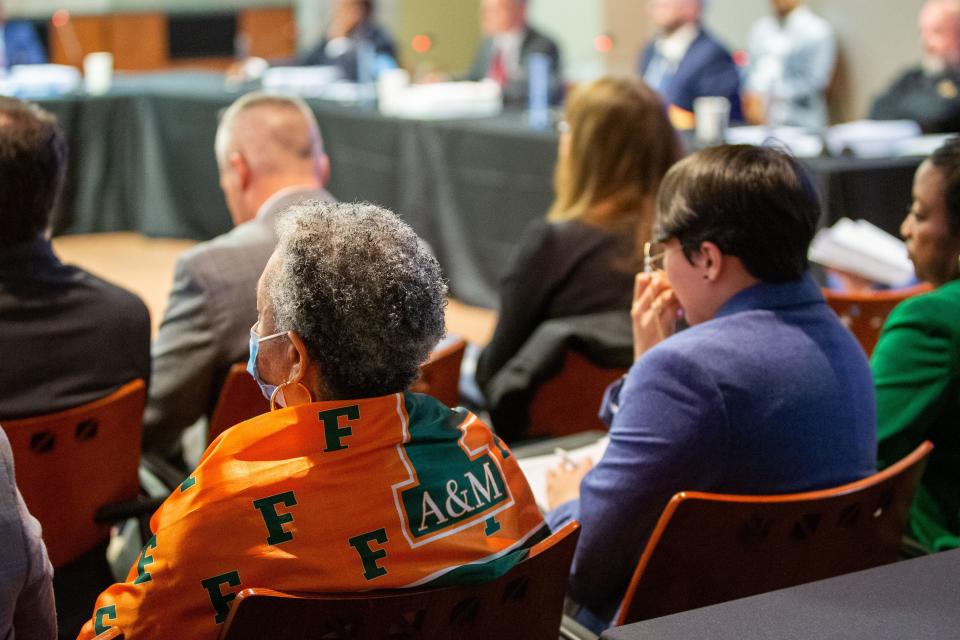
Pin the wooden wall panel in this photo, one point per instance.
(139, 41)
(82, 35)
(272, 31)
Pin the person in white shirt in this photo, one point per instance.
(792, 58)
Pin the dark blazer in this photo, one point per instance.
(560, 270)
(66, 337)
(773, 395)
(22, 43)
(930, 100)
(381, 41)
(516, 90)
(707, 69)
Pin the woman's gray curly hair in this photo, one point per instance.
(362, 290)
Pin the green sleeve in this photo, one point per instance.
(912, 372)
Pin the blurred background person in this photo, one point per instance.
(916, 363)
(505, 50)
(74, 337)
(685, 62)
(26, 575)
(615, 146)
(19, 42)
(270, 155)
(351, 28)
(929, 94)
(792, 56)
(765, 393)
(325, 493)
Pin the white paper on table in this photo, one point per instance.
(535, 467)
(860, 248)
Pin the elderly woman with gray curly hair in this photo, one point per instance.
(350, 482)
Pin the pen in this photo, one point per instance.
(568, 462)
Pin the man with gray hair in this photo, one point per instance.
(685, 62)
(930, 93)
(270, 156)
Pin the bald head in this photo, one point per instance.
(939, 23)
(266, 143)
(670, 15)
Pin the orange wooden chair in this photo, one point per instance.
(440, 375)
(710, 548)
(526, 602)
(569, 401)
(240, 398)
(864, 312)
(72, 464)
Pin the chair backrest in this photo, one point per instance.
(240, 399)
(569, 401)
(526, 602)
(71, 463)
(864, 312)
(710, 548)
(440, 375)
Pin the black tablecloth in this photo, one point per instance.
(912, 599)
(142, 159)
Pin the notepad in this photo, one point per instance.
(535, 467)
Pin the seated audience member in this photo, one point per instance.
(19, 42)
(616, 147)
(270, 156)
(930, 93)
(26, 576)
(351, 28)
(504, 53)
(765, 393)
(792, 55)
(916, 364)
(66, 336)
(685, 62)
(352, 483)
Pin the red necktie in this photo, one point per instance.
(498, 71)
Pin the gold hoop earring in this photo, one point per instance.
(276, 392)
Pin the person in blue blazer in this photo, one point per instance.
(684, 61)
(21, 44)
(765, 393)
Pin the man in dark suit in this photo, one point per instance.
(685, 62)
(19, 43)
(504, 53)
(351, 28)
(66, 337)
(270, 155)
(930, 93)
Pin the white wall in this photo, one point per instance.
(573, 24)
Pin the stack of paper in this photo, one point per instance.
(301, 81)
(871, 138)
(535, 468)
(445, 100)
(860, 248)
(800, 142)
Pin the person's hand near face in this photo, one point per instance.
(654, 311)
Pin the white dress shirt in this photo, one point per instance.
(791, 64)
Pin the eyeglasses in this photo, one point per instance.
(653, 255)
(563, 127)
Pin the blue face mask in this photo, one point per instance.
(266, 389)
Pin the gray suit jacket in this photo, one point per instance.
(206, 328)
(516, 90)
(26, 577)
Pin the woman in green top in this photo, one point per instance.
(916, 364)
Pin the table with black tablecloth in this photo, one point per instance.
(142, 159)
(917, 598)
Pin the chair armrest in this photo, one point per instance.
(120, 511)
